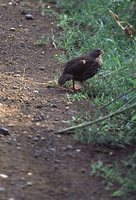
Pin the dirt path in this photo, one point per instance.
(39, 165)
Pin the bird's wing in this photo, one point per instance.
(91, 71)
(78, 66)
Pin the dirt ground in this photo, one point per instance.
(37, 163)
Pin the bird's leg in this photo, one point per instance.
(73, 85)
(75, 89)
(82, 83)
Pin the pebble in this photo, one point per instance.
(2, 189)
(12, 29)
(43, 138)
(111, 153)
(53, 106)
(29, 183)
(15, 87)
(35, 91)
(17, 75)
(18, 144)
(29, 16)
(11, 198)
(10, 3)
(41, 68)
(29, 173)
(68, 147)
(5, 52)
(24, 12)
(83, 170)
(37, 154)
(53, 149)
(56, 166)
(56, 161)
(22, 44)
(4, 176)
(67, 107)
(22, 178)
(59, 136)
(78, 150)
(35, 138)
(4, 131)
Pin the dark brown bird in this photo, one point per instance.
(82, 68)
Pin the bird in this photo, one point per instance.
(82, 68)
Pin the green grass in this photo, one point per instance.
(124, 176)
(86, 25)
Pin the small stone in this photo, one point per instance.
(38, 123)
(12, 29)
(78, 150)
(24, 12)
(5, 52)
(68, 147)
(53, 106)
(65, 189)
(29, 16)
(35, 139)
(43, 138)
(4, 176)
(22, 44)
(15, 87)
(4, 131)
(53, 149)
(10, 3)
(111, 153)
(29, 183)
(17, 75)
(56, 161)
(20, 26)
(29, 173)
(2, 189)
(69, 103)
(83, 170)
(18, 144)
(11, 198)
(41, 68)
(35, 91)
(37, 154)
(22, 178)
(56, 166)
(59, 136)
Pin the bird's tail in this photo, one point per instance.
(64, 78)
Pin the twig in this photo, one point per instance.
(118, 98)
(53, 39)
(128, 30)
(119, 111)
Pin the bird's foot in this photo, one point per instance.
(77, 89)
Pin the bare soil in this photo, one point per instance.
(39, 164)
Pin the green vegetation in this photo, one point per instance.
(125, 177)
(89, 24)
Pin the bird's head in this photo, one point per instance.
(96, 53)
